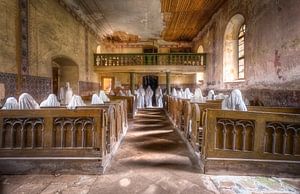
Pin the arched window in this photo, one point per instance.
(200, 49)
(233, 49)
(241, 54)
(98, 51)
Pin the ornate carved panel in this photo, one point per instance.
(282, 138)
(74, 132)
(22, 133)
(236, 135)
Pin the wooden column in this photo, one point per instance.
(168, 83)
(132, 82)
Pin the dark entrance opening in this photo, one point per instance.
(152, 81)
(55, 78)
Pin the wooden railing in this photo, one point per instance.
(134, 59)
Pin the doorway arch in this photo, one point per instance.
(64, 69)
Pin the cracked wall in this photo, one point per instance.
(272, 49)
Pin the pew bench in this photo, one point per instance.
(58, 140)
(251, 143)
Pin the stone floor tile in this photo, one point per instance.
(54, 188)
(30, 188)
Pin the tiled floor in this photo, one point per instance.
(152, 159)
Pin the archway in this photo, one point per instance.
(98, 50)
(230, 48)
(200, 49)
(64, 69)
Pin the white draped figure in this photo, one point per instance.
(187, 94)
(112, 93)
(51, 101)
(11, 103)
(141, 97)
(234, 101)
(180, 93)
(26, 101)
(220, 96)
(148, 97)
(96, 100)
(158, 97)
(121, 93)
(103, 96)
(75, 102)
(210, 95)
(174, 92)
(128, 93)
(68, 93)
(198, 97)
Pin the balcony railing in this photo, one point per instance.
(163, 59)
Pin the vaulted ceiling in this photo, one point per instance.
(143, 20)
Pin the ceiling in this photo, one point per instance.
(144, 20)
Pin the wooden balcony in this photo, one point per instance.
(156, 62)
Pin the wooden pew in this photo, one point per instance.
(131, 104)
(251, 143)
(53, 140)
(198, 119)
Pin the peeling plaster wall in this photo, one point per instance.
(54, 32)
(8, 24)
(272, 49)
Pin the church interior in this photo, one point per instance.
(150, 96)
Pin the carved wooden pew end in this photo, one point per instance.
(58, 140)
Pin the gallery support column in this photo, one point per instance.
(168, 83)
(132, 82)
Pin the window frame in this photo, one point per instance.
(240, 37)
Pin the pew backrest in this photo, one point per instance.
(252, 135)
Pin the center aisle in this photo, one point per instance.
(153, 159)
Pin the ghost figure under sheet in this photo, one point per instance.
(11, 103)
(211, 95)
(51, 101)
(158, 97)
(198, 97)
(174, 92)
(234, 101)
(187, 94)
(180, 93)
(75, 102)
(68, 93)
(96, 100)
(103, 96)
(141, 97)
(26, 101)
(148, 97)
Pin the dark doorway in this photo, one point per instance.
(55, 80)
(151, 80)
